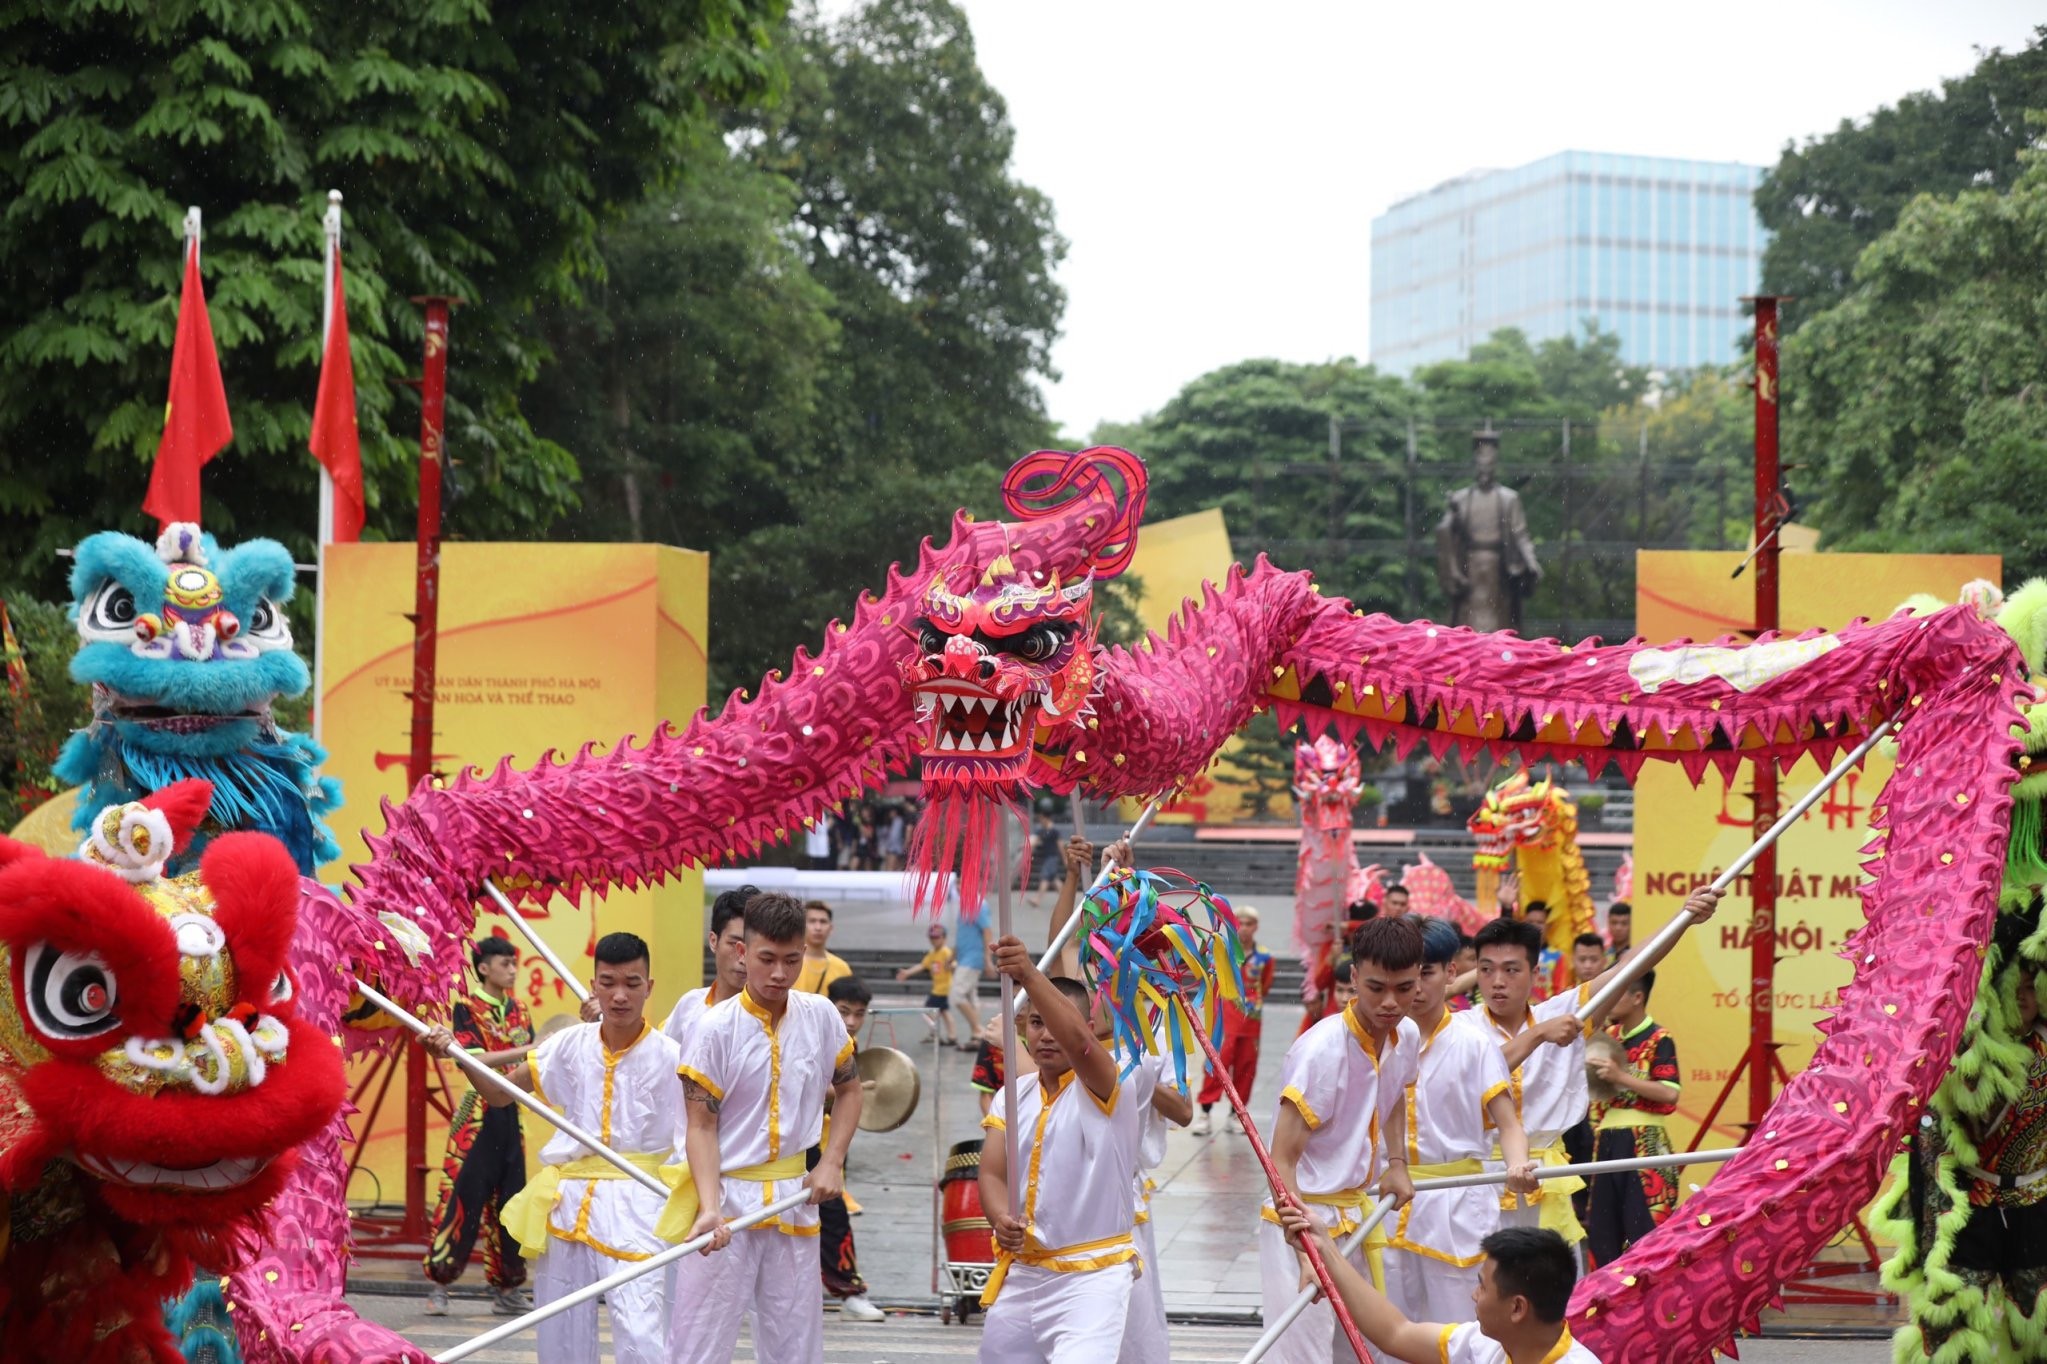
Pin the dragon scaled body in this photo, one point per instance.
(155, 1075)
(1532, 826)
(1156, 714)
(1961, 1310)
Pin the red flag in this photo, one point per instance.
(334, 439)
(195, 420)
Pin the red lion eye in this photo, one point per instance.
(94, 997)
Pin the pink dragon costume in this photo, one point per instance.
(979, 659)
(1327, 879)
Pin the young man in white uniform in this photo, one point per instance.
(1341, 1123)
(727, 939)
(1065, 1261)
(754, 1083)
(1453, 1108)
(581, 1219)
(1145, 1332)
(1524, 1289)
(1545, 1050)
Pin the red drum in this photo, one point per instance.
(968, 1238)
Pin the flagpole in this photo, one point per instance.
(325, 532)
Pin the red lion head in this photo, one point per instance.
(148, 1034)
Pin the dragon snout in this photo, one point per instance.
(967, 659)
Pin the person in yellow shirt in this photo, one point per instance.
(820, 967)
(938, 961)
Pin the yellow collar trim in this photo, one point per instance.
(611, 1058)
(1368, 1043)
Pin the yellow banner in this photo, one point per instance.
(1684, 835)
(540, 647)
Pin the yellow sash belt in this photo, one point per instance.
(526, 1213)
(1553, 1196)
(680, 1212)
(1120, 1250)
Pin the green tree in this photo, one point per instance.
(480, 149)
(938, 260)
(1825, 201)
(687, 383)
(1253, 439)
(1918, 399)
(938, 265)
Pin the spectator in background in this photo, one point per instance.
(845, 837)
(969, 955)
(817, 846)
(1465, 963)
(1395, 903)
(938, 963)
(1346, 989)
(1047, 864)
(1620, 931)
(987, 1073)
(821, 966)
(894, 834)
(1242, 1026)
(1549, 962)
(1588, 958)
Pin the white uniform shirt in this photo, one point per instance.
(630, 1100)
(1466, 1344)
(770, 1079)
(1151, 1127)
(1345, 1088)
(1549, 1087)
(1079, 1157)
(1462, 1070)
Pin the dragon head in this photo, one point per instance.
(184, 645)
(1327, 779)
(1002, 671)
(148, 1033)
(1515, 814)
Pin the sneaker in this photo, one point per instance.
(1200, 1126)
(1236, 1126)
(437, 1301)
(859, 1309)
(511, 1302)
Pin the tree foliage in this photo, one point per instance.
(1827, 200)
(480, 149)
(1921, 398)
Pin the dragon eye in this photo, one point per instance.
(111, 611)
(1037, 644)
(931, 640)
(70, 994)
(280, 989)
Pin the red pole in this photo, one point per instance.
(433, 396)
(1762, 1014)
(1280, 1196)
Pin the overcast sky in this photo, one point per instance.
(1216, 167)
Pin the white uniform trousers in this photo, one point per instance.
(1315, 1337)
(1046, 1317)
(1145, 1337)
(1426, 1289)
(638, 1319)
(769, 1273)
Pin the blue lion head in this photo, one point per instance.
(186, 645)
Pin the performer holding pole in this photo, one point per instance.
(1524, 1290)
(579, 1217)
(485, 1161)
(754, 1084)
(1062, 1209)
(1462, 1095)
(1342, 1121)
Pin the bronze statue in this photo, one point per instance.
(1484, 558)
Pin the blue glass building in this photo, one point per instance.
(1657, 250)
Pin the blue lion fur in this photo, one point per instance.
(263, 778)
(200, 1323)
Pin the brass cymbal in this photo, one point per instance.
(889, 1087)
(1598, 1045)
